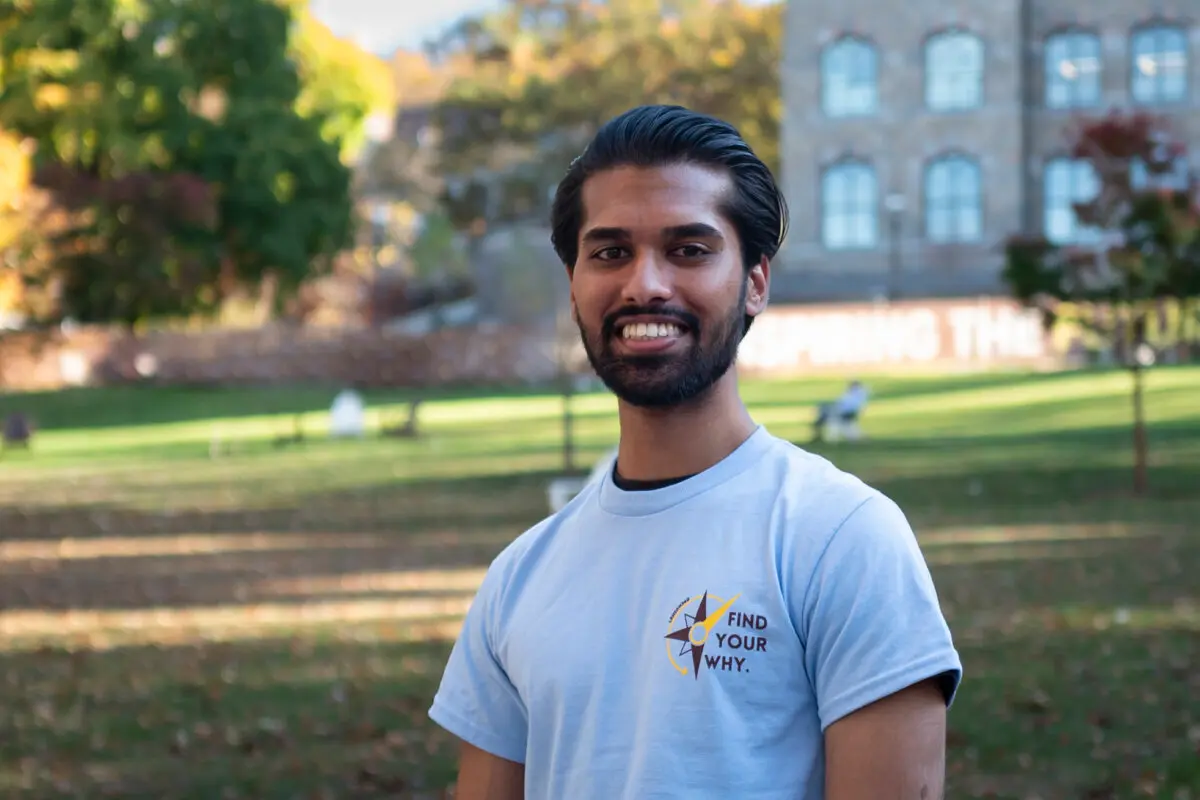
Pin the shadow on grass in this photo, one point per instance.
(808, 390)
(120, 406)
(1064, 696)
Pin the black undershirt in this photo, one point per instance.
(630, 485)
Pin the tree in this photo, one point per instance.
(177, 132)
(16, 221)
(342, 84)
(1142, 245)
(535, 80)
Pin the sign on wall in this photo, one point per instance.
(969, 332)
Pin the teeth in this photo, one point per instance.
(650, 330)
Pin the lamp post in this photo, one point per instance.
(895, 204)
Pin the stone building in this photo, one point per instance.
(917, 136)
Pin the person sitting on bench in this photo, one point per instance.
(843, 412)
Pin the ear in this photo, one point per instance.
(758, 287)
(571, 296)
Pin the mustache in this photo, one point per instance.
(686, 320)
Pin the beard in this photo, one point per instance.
(665, 380)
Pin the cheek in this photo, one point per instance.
(714, 296)
(589, 299)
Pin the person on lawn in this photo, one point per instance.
(723, 615)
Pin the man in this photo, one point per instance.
(845, 409)
(724, 615)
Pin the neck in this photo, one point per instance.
(662, 443)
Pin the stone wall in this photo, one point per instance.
(275, 355)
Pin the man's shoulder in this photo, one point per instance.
(518, 556)
(814, 498)
(807, 477)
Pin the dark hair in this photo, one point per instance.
(664, 135)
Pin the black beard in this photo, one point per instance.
(666, 380)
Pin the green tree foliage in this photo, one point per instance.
(342, 84)
(536, 78)
(184, 139)
(1143, 247)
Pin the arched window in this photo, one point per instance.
(1159, 63)
(1072, 70)
(1066, 182)
(850, 207)
(953, 71)
(953, 200)
(849, 78)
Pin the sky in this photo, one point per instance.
(383, 25)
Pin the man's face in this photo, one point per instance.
(659, 290)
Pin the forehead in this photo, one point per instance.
(654, 198)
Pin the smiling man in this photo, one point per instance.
(724, 615)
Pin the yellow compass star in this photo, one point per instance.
(695, 634)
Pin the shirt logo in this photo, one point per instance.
(707, 621)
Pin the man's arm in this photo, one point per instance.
(892, 749)
(483, 776)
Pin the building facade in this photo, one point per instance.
(918, 136)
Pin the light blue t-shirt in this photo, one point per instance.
(695, 641)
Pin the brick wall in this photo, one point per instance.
(275, 355)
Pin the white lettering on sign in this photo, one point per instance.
(983, 334)
(793, 337)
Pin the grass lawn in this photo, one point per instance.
(271, 622)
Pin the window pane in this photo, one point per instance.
(968, 224)
(1059, 225)
(1072, 70)
(864, 230)
(1065, 183)
(1159, 65)
(953, 197)
(836, 231)
(835, 190)
(848, 207)
(849, 78)
(937, 225)
(938, 183)
(1086, 182)
(954, 71)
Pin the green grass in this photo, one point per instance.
(271, 622)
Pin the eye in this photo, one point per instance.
(691, 251)
(609, 253)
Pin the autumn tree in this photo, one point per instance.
(341, 84)
(181, 134)
(1141, 246)
(534, 80)
(18, 212)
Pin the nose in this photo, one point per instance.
(648, 281)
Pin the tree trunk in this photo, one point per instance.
(1140, 469)
(568, 423)
(1183, 345)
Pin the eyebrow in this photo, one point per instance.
(698, 230)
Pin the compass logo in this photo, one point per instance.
(707, 621)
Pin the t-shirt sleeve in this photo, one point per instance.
(870, 617)
(476, 701)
